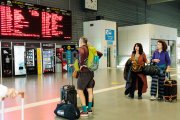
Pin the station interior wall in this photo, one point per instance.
(124, 12)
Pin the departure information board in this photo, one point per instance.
(23, 20)
(56, 23)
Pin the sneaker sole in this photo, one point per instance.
(152, 99)
(90, 113)
(84, 115)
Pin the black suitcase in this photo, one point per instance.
(69, 94)
(170, 90)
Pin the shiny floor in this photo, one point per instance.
(42, 95)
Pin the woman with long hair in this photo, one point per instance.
(139, 80)
(162, 60)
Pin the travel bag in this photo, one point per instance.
(69, 94)
(170, 89)
(68, 111)
(151, 70)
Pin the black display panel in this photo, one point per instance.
(56, 23)
(23, 20)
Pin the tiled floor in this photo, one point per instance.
(42, 95)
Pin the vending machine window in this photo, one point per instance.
(6, 62)
(30, 62)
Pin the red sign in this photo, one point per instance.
(22, 20)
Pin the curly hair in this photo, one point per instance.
(140, 48)
(164, 45)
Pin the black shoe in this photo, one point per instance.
(126, 92)
(160, 99)
(139, 97)
(131, 96)
(90, 111)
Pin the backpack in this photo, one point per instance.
(93, 59)
(68, 111)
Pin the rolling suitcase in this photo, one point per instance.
(69, 94)
(22, 106)
(170, 89)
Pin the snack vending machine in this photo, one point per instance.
(48, 57)
(31, 57)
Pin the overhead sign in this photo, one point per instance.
(109, 34)
(23, 20)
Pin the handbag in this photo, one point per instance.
(75, 74)
(151, 69)
(76, 65)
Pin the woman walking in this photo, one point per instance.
(162, 60)
(139, 80)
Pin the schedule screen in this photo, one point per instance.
(23, 20)
(56, 23)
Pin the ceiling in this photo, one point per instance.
(174, 3)
(161, 1)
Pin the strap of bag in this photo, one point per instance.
(87, 54)
(168, 76)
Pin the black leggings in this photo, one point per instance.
(135, 77)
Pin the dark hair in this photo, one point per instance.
(140, 48)
(164, 45)
(84, 40)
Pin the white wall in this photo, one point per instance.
(130, 35)
(162, 32)
(143, 34)
(95, 32)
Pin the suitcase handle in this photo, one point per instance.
(21, 94)
(65, 86)
(168, 75)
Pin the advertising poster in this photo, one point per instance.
(19, 62)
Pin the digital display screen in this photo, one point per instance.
(56, 23)
(23, 20)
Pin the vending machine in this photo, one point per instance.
(31, 57)
(6, 59)
(68, 55)
(19, 60)
(48, 57)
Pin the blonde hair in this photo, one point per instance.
(84, 40)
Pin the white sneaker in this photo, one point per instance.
(84, 114)
(153, 98)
